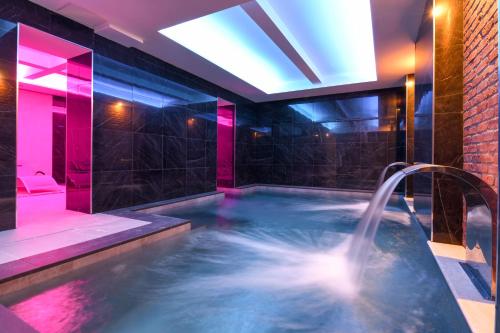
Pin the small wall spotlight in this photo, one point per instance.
(438, 10)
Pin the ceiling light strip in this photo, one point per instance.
(257, 13)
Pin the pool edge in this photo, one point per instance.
(479, 313)
(26, 272)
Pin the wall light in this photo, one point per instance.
(409, 84)
(117, 110)
(438, 10)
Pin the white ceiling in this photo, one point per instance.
(395, 26)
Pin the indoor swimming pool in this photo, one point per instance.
(258, 262)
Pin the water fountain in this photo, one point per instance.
(481, 226)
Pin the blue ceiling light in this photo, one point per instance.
(305, 109)
(333, 37)
(123, 91)
(233, 41)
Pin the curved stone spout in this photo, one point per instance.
(481, 202)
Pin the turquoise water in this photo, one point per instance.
(257, 263)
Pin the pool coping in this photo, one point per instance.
(478, 312)
(21, 273)
(298, 189)
(147, 211)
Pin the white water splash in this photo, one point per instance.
(358, 207)
(280, 266)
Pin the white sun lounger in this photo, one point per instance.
(40, 184)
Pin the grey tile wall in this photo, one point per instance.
(423, 117)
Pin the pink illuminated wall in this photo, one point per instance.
(34, 135)
(54, 83)
(79, 134)
(225, 145)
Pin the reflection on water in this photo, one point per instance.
(262, 263)
(63, 309)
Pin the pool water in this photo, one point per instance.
(257, 263)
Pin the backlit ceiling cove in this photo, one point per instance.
(280, 46)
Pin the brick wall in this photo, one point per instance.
(480, 89)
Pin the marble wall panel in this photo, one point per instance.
(341, 141)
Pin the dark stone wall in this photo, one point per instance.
(340, 141)
(423, 117)
(448, 121)
(410, 129)
(8, 59)
(154, 139)
(439, 119)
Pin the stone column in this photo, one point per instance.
(447, 145)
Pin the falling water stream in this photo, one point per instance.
(362, 239)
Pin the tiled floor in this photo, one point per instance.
(58, 230)
(44, 225)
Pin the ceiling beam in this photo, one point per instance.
(255, 11)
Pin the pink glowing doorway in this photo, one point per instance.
(225, 144)
(54, 117)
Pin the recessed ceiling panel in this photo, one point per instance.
(334, 38)
(233, 41)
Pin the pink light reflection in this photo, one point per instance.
(63, 309)
(51, 81)
(225, 146)
(52, 71)
(224, 121)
